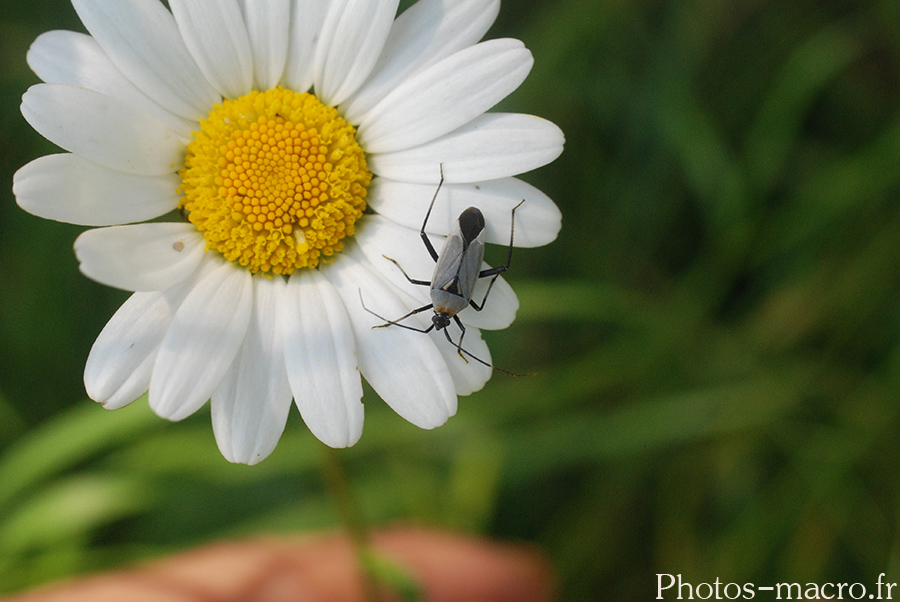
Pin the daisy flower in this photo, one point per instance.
(246, 166)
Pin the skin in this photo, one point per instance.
(449, 567)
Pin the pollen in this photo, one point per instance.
(275, 181)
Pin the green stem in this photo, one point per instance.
(338, 485)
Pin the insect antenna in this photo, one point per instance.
(479, 360)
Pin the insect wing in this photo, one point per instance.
(470, 266)
(446, 269)
(470, 225)
(459, 262)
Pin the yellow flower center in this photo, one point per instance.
(274, 180)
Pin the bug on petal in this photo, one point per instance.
(456, 271)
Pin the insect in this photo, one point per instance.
(457, 269)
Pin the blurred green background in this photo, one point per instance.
(716, 331)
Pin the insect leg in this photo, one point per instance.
(412, 280)
(502, 268)
(495, 272)
(398, 320)
(477, 307)
(425, 239)
(462, 333)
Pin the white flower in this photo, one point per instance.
(202, 109)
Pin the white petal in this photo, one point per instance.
(68, 188)
(76, 59)
(142, 40)
(120, 362)
(251, 404)
(445, 96)
(268, 25)
(422, 35)
(321, 360)
(215, 35)
(352, 36)
(405, 368)
(140, 257)
(538, 219)
(103, 129)
(204, 339)
(378, 237)
(493, 146)
(305, 28)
